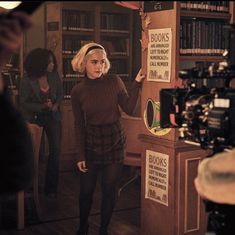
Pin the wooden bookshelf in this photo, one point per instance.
(182, 206)
(12, 73)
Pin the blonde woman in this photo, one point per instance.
(99, 136)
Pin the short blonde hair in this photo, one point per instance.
(79, 60)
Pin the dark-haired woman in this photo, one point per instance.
(41, 93)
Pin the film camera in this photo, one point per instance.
(204, 110)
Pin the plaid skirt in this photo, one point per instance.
(105, 143)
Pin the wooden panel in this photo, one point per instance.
(232, 12)
(54, 37)
(133, 149)
(192, 199)
(185, 209)
(131, 126)
(154, 214)
(190, 208)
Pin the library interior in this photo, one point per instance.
(180, 118)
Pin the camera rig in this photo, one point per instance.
(204, 110)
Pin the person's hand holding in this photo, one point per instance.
(140, 77)
(82, 166)
(11, 34)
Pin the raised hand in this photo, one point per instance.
(140, 77)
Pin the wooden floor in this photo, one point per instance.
(60, 216)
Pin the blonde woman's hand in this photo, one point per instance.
(140, 77)
(82, 166)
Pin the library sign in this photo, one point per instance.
(157, 177)
(159, 55)
(150, 6)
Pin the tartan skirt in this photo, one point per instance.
(105, 143)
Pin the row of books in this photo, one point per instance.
(67, 87)
(67, 69)
(200, 37)
(71, 44)
(119, 67)
(209, 6)
(77, 20)
(114, 22)
(118, 47)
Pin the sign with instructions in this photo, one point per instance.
(157, 177)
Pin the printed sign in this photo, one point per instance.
(159, 55)
(157, 177)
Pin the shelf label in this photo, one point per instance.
(150, 6)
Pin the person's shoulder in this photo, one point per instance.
(114, 78)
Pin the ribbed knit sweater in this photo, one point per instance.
(97, 102)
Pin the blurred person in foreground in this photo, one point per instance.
(215, 183)
(16, 152)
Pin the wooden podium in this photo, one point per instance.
(180, 211)
(170, 204)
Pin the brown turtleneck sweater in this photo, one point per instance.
(97, 101)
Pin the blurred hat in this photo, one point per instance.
(216, 178)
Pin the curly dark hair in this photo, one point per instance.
(36, 62)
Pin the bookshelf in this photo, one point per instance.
(199, 36)
(203, 31)
(70, 25)
(11, 74)
(116, 37)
